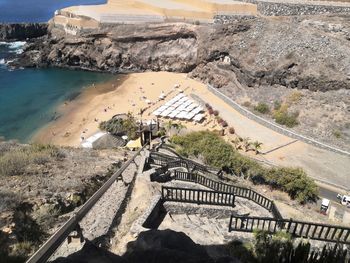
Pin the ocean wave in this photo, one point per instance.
(14, 45)
(2, 61)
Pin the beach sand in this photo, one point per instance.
(81, 117)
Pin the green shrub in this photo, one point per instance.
(283, 117)
(217, 153)
(337, 134)
(270, 248)
(208, 145)
(277, 105)
(262, 108)
(280, 247)
(294, 181)
(121, 126)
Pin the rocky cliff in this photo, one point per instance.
(305, 53)
(22, 31)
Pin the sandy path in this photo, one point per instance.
(80, 115)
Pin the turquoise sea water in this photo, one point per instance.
(17, 11)
(29, 97)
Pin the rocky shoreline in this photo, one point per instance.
(22, 31)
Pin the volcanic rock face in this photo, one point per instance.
(304, 53)
(121, 48)
(22, 31)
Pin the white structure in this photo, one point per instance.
(89, 141)
(180, 107)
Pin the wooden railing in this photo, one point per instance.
(236, 190)
(163, 159)
(323, 232)
(196, 196)
(173, 162)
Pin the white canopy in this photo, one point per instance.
(162, 108)
(88, 142)
(173, 114)
(189, 115)
(181, 115)
(191, 107)
(198, 117)
(197, 110)
(165, 113)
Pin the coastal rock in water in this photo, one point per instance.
(22, 31)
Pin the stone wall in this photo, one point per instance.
(293, 9)
(276, 8)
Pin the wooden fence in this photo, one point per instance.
(323, 232)
(236, 190)
(163, 159)
(197, 196)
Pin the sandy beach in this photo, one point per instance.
(81, 117)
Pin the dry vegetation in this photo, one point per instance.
(39, 184)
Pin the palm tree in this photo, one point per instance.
(246, 143)
(257, 146)
(237, 143)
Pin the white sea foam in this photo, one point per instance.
(16, 45)
(2, 61)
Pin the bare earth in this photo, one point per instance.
(80, 115)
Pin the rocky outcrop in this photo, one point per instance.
(22, 31)
(292, 52)
(121, 48)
